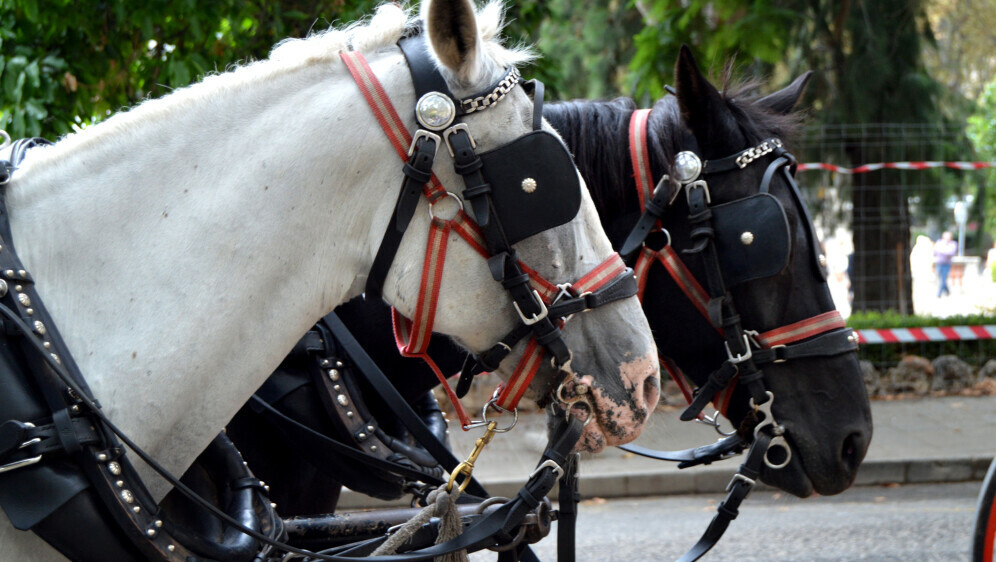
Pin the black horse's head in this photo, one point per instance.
(776, 283)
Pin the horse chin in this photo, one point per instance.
(791, 478)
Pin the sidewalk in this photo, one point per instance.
(948, 439)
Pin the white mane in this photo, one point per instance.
(383, 29)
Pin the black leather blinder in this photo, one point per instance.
(752, 238)
(534, 184)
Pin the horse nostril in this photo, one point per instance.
(651, 391)
(852, 451)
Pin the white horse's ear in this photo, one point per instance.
(452, 29)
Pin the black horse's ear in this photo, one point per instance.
(702, 106)
(785, 99)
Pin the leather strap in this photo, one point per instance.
(707, 454)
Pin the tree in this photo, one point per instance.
(78, 61)
(982, 131)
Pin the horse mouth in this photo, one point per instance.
(615, 419)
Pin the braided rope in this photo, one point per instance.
(439, 504)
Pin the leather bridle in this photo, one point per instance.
(542, 307)
(823, 335)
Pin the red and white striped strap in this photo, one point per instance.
(640, 155)
(378, 100)
(803, 329)
(512, 391)
(865, 168)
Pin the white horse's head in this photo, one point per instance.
(612, 348)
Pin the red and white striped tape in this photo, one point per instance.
(894, 166)
(936, 333)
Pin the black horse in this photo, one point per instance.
(820, 401)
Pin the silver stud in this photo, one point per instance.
(3, 288)
(349, 413)
(687, 166)
(119, 483)
(325, 363)
(362, 435)
(823, 260)
(18, 288)
(136, 509)
(114, 468)
(127, 496)
(529, 185)
(373, 448)
(40, 328)
(75, 409)
(171, 548)
(9, 273)
(333, 374)
(22, 273)
(338, 364)
(46, 345)
(56, 358)
(273, 505)
(24, 299)
(370, 428)
(336, 387)
(29, 311)
(342, 400)
(852, 337)
(747, 238)
(435, 111)
(150, 532)
(158, 523)
(101, 457)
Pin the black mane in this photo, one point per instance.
(600, 132)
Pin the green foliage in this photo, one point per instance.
(75, 62)
(982, 131)
(873, 319)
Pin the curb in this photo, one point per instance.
(714, 479)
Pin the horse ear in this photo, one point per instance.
(702, 106)
(452, 30)
(785, 99)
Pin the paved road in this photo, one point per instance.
(912, 523)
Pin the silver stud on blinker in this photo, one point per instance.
(114, 468)
(24, 299)
(823, 260)
(747, 238)
(435, 111)
(102, 457)
(151, 533)
(127, 496)
(529, 185)
(687, 166)
(342, 400)
(40, 327)
(3, 288)
(334, 374)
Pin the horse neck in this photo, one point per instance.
(183, 247)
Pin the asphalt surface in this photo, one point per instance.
(924, 440)
(907, 523)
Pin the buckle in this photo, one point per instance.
(451, 131)
(543, 313)
(739, 358)
(548, 463)
(749, 481)
(697, 184)
(23, 462)
(426, 134)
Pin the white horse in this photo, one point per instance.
(184, 246)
